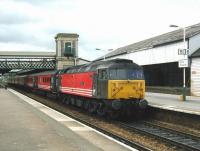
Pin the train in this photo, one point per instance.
(110, 88)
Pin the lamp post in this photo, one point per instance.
(186, 53)
(104, 57)
(184, 37)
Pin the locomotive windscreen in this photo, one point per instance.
(124, 74)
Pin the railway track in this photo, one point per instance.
(180, 139)
(169, 136)
(101, 129)
(117, 137)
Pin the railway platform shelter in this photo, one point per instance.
(28, 125)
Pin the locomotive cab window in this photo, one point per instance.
(131, 74)
(102, 74)
(135, 74)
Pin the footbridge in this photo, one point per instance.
(27, 60)
(65, 55)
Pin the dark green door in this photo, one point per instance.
(102, 83)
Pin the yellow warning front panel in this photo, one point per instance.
(126, 89)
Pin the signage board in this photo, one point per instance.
(183, 63)
(183, 51)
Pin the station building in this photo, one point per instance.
(67, 50)
(160, 56)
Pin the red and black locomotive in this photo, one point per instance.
(112, 87)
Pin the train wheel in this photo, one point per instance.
(72, 101)
(67, 100)
(92, 108)
(79, 102)
(140, 114)
(113, 114)
(86, 105)
(63, 99)
(101, 109)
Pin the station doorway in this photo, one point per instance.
(166, 75)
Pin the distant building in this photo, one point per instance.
(67, 50)
(66, 55)
(159, 57)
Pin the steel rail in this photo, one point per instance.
(172, 130)
(170, 136)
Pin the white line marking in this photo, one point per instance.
(75, 128)
(76, 88)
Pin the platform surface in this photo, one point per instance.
(173, 102)
(26, 125)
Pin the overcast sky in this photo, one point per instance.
(31, 25)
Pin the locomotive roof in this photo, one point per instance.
(93, 66)
(118, 63)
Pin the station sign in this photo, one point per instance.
(183, 63)
(183, 51)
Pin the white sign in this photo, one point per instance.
(183, 51)
(183, 63)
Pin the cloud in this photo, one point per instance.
(21, 47)
(17, 13)
(33, 24)
(13, 34)
(23, 34)
(34, 2)
(41, 2)
(7, 18)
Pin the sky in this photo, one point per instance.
(31, 25)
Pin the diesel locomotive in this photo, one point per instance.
(109, 88)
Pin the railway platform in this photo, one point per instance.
(174, 103)
(29, 125)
